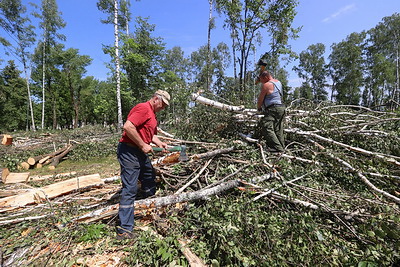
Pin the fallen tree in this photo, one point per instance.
(160, 202)
(331, 198)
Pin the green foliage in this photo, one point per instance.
(11, 162)
(13, 98)
(236, 231)
(92, 150)
(152, 251)
(346, 64)
(207, 124)
(246, 29)
(141, 56)
(93, 232)
(312, 69)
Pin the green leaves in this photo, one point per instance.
(92, 232)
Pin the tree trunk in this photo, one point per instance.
(117, 67)
(209, 44)
(54, 105)
(43, 80)
(160, 202)
(56, 160)
(205, 101)
(29, 96)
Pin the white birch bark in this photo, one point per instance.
(117, 66)
(29, 97)
(239, 109)
(43, 81)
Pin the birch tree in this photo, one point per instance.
(51, 22)
(246, 19)
(111, 7)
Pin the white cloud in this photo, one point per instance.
(339, 13)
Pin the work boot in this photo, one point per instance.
(125, 234)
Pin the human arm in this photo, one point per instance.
(132, 133)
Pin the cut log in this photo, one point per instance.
(49, 192)
(167, 159)
(40, 165)
(56, 160)
(43, 160)
(4, 173)
(32, 160)
(6, 140)
(16, 177)
(25, 165)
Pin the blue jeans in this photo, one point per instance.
(135, 165)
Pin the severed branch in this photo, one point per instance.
(17, 220)
(213, 153)
(193, 259)
(112, 210)
(194, 179)
(208, 102)
(269, 191)
(352, 148)
(365, 180)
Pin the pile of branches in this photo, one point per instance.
(346, 138)
(341, 165)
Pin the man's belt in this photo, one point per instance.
(130, 144)
(275, 105)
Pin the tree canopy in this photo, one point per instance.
(361, 69)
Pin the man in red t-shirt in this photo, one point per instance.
(140, 130)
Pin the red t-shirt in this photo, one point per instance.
(144, 118)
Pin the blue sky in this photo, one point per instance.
(184, 23)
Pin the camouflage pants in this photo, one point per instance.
(270, 128)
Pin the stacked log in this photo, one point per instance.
(51, 159)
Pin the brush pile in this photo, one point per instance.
(331, 199)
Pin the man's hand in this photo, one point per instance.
(159, 143)
(146, 148)
(164, 146)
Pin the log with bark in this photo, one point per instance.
(208, 102)
(41, 160)
(160, 201)
(56, 159)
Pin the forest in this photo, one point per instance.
(331, 199)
